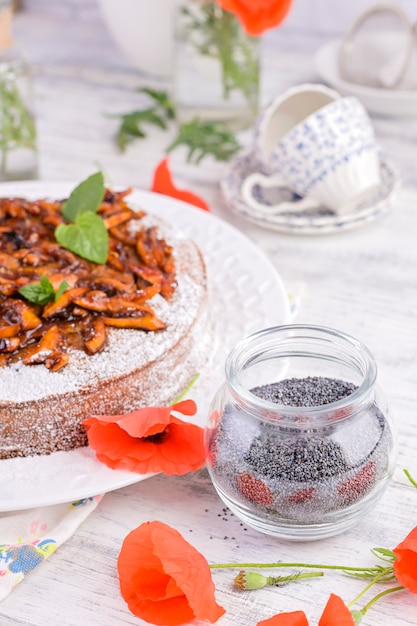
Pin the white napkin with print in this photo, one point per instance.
(28, 537)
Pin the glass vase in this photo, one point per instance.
(18, 148)
(216, 73)
(300, 443)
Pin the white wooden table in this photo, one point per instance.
(363, 282)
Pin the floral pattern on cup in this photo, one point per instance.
(339, 138)
(318, 144)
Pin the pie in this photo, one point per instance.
(110, 338)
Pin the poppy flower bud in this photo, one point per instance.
(251, 580)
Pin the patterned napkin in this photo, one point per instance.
(29, 537)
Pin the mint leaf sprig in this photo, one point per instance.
(43, 291)
(87, 235)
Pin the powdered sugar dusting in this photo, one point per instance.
(126, 349)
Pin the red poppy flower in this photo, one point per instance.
(163, 183)
(335, 613)
(150, 439)
(164, 579)
(405, 565)
(257, 16)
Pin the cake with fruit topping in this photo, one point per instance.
(80, 337)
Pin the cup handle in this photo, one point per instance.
(269, 182)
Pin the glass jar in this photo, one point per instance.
(299, 441)
(216, 71)
(18, 149)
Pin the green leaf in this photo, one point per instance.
(204, 138)
(162, 99)
(61, 289)
(87, 237)
(384, 554)
(131, 125)
(42, 292)
(87, 196)
(161, 111)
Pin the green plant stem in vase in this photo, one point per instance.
(216, 68)
(18, 156)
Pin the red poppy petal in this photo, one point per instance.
(190, 571)
(295, 618)
(144, 584)
(405, 569)
(186, 407)
(336, 613)
(257, 17)
(405, 565)
(146, 421)
(124, 441)
(111, 442)
(156, 552)
(169, 612)
(140, 423)
(163, 183)
(181, 452)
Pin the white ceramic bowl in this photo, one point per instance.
(144, 32)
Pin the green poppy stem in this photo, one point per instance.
(379, 596)
(282, 580)
(410, 478)
(186, 390)
(369, 585)
(301, 565)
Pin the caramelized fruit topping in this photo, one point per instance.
(139, 265)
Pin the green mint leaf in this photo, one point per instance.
(36, 293)
(87, 237)
(61, 289)
(42, 292)
(47, 286)
(87, 196)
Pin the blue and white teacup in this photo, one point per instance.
(318, 144)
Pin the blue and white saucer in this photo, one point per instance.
(315, 221)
